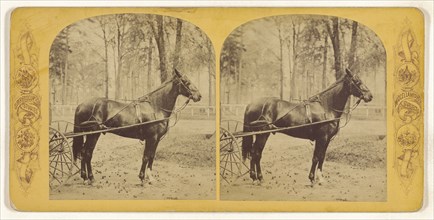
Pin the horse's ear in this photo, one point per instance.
(177, 73)
(348, 72)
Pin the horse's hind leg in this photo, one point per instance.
(90, 144)
(258, 147)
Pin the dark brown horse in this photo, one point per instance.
(269, 113)
(101, 113)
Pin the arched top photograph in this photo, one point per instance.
(132, 109)
(320, 80)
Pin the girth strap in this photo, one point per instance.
(138, 112)
(308, 112)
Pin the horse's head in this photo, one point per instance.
(357, 87)
(186, 88)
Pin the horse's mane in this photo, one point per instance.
(327, 96)
(162, 85)
(332, 86)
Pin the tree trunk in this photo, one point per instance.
(118, 61)
(106, 63)
(324, 64)
(164, 75)
(334, 36)
(149, 81)
(353, 46)
(294, 90)
(65, 72)
(239, 71)
(210, 68)
(281, 63)
(177, 43)
(65, 81)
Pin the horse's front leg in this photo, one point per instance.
(319, 152)
(147, 154)
(151, 162)
(322, 153)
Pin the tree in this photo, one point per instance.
(278, 23)
(177, 43)
(230, 58)
(333, 32)
(324, 65)
(158, 33)
(104, 25)
(352, 52)
(121, 30)
(58, 57)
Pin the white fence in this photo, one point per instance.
(234, 110)
(361, 112)
(190, 110)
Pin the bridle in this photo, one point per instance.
(354, 85)
(180, 81)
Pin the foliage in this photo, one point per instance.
(117, 56)
(298, 55)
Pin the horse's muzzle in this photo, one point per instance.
(196, 97)
(367, 97)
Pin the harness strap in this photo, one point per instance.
(138, 111)
(308, 112)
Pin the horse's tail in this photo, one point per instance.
(77, 142)
(77, 145)
(246, 144)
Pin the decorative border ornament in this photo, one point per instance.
(408, 107)
(26, 109)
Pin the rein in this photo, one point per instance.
(316, 98)
(179, 109)
(143, 98)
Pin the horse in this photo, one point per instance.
(274, 113)
(103, 114)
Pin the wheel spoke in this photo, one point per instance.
(55, 147)
(230, 156)
(61, 171)
(229, 143)
(67, 163)
(229, 171)
(61, 162)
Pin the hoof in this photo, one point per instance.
(312, 183)
(90, 182)
(256, 182)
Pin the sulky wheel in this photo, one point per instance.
(61, 163)
(231, 163)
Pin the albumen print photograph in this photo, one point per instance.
(303, 111)
(132, 111)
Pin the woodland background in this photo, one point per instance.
(124, 56)
(295, 57)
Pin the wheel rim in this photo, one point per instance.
(231, 163)
(61, 163)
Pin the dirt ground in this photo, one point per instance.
(184, 167)
(354, 169)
